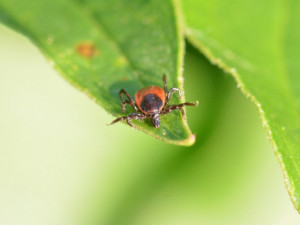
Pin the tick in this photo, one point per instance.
(151, 102)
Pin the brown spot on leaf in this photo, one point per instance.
(87, 50)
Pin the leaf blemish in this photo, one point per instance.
(87, 50)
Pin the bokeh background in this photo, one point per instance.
(61, 164)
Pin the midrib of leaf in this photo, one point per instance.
(180, 55)
(181, 46)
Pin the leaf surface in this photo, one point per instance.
(102, 54)
(258, 43)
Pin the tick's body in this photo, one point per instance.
(151, 102)
(150, 99)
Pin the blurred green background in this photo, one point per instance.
(61, 164)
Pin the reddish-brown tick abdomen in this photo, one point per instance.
(150, 99)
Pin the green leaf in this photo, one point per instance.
(103, 46)
(258, 43)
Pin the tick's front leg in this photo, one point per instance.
(136, 116)
(172, 90)
(124, 102)
(171, 108)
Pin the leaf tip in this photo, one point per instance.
(189, 141)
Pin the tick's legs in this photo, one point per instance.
(124, 102)
(136, 116)
(165, 83)
(172, 90)
(169, 93)
(171, 108)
